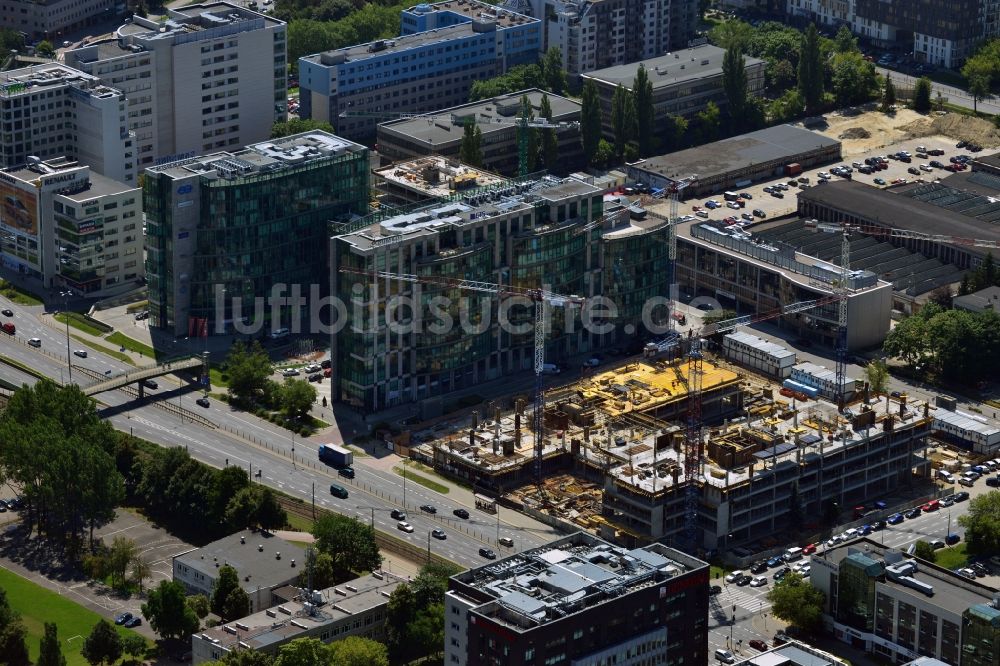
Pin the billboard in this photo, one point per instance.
(18, 209)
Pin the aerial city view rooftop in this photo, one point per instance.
(488, 333)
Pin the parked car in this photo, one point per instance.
(758, 644)
(809, 548)
(758, 567)
(776, 561)
(993, 481)
(289, 372)
(123, 618)
(725, 656)
(744, 580)
(913, 513)
(7, 312)
(961, 496)
(316, 377)
(914, 170)
(777, 194)
(952, 539)
(133, 623)
(781, 573)
(745, 195)
(715, 589)
(879, 181)
(966, 481)
(759, 213)
(895, 519)
(758, 581)
(734, 576)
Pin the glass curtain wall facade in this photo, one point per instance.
(254, 231)
(856, 591)
(981, 636)
(544, 241)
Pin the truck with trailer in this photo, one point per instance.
(335, 456)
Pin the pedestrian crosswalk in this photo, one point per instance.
(752, 602)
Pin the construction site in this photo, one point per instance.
(615, 444)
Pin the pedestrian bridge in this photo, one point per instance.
(139, 374)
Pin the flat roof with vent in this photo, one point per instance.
(252, 554)
(670, 69)
(264, 157)
(569, 575)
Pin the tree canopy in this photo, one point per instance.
(590, 120)
(229, 600)
(982, 524)
(797, 602)
(955, 344)
(517, 78)
(925, 551)
(299, 125)
(922, 95)
(855, 80)
(56, 448)
(734, 82)
(350, 543)
(642, 93)
(167, 611)
(13, 635)
(811, 76)
(50, 649)
(415, 615)
(102, 645)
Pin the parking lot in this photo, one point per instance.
(787, 204)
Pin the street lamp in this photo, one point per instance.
(359, 506)
(69, 358)
(428, 546)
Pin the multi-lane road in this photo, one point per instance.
(262, 446)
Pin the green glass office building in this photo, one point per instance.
(242, 225)
(552, 233)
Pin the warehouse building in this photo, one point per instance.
(684, 82)
(440, 132)
(737, 161)
(930, 208)
(968, 431)
(987, 298)
(580, 600)
(747, 275)
(914, 276)
(899, 608)
(763, 356)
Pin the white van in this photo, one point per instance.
(279, 333)
(792, 554)
(946, 476)
(730, 196)
(550, 369)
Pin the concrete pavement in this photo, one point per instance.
(956, 96)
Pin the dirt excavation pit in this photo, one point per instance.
(979, 131)
(862, 131)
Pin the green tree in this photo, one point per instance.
(810, 81)
(797, 602)
(134, 646)
(303, 652)
(45, 49)
(620, 117)
(297, 398)
(246, 658)
(590, 121)
(708, 123)
(855, 80)
(907, 340)
(226, 483)
(982, 524)
(676, 130)
(731, 33)
(922, 95)
(471, 151)
(415, 614)
(734, 82)
(248, 370)
(141, 10)
(979, 87)
(786, 107)
(642, 93)
(227, 585)
(102, 645)
(349, 542)
(780, 75)
(520, 77)
(299, 125)
(122, 553)
(237, 605)
(550, 142)
(358, 651)
(888, 94)
(199, 604)
(605, 154)
(553, 72)
(270, 514)
(168, 612)
(925, 551)
(50, 649)
(527, 115)
(845, 41)
(877, 376)
(14, 645)
(323, 575)
(140, 570)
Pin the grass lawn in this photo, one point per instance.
(18, 295)
(38, 605)
(717, 572)
(114, 353)
(131, 344)
(953, 557)
(217, 377)
(299, 523)
(422, 480)
(80, 323)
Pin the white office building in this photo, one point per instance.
(51, 110)
(211, 77)
(71, 228)
(761, 355)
